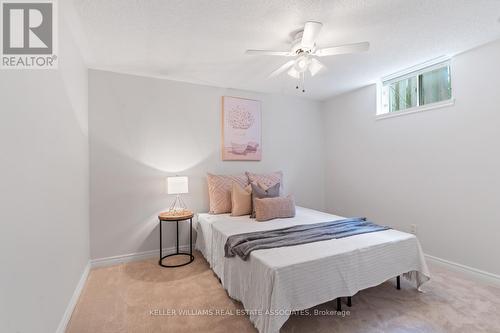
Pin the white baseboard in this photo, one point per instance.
(74, 299)
(124, 258)
(472, 272)
(101, 262)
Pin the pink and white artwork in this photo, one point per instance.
(241, 129)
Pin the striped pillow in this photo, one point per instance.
(271, 208)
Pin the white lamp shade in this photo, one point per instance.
(177, 185)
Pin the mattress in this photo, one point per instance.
(273, 283)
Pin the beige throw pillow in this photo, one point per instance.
(241, 200)
(219, 191)
(271, 208)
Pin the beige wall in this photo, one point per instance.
(438, 169)
(44, 189)
(143, 129)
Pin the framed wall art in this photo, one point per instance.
(241, 129)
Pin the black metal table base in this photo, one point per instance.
(160, 262)
(178, 253)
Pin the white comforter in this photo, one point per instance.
(274, 282)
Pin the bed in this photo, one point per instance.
(273, 283)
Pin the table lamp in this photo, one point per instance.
(177, 185)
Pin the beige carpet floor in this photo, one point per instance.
(142, 297)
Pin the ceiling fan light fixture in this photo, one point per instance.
(301, 64)
(294, 73)
(315, 67)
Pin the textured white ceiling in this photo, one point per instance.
(203, 41)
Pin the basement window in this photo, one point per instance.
(419, 88)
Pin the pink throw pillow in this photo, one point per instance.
(219, 191)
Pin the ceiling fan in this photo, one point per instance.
(305, 51)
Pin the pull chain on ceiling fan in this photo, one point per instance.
(306, 52)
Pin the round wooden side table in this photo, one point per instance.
(169, 217)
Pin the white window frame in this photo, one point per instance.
(411, 72)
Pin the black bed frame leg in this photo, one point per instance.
(339, 304)
(398, 283)
(349, 301)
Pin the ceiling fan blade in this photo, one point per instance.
(282, 69)
(315, 66)
(343, 49)
(311, 32)
(267, 52)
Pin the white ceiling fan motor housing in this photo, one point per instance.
(297, 47)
